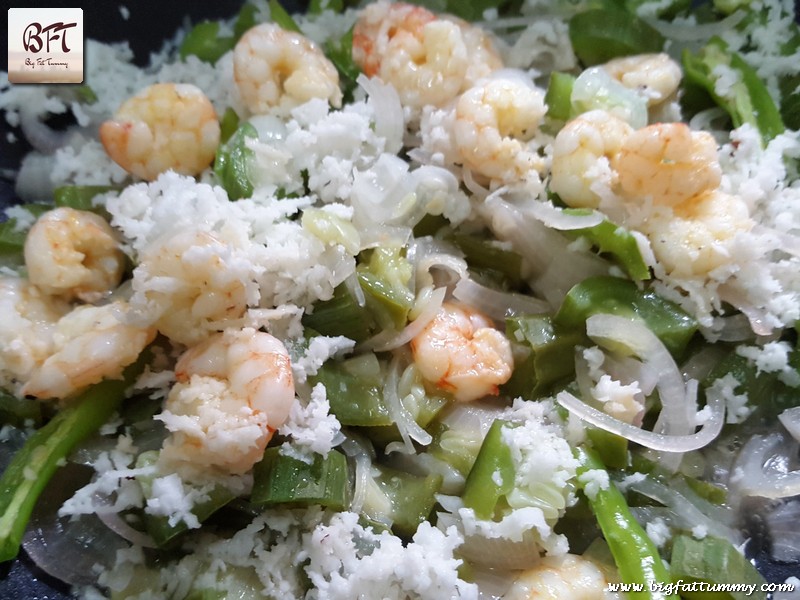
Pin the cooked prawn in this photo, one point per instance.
(428, 59)
(461, 352)
(557, 577)
(190, 283)
(74, 254)
(26, 329)
(494, 121)
(278, 69)
(165, 126)
(582, 156)
(667, 162)
(655, 77)
(698, 236)
(232, 392)
(90, 343)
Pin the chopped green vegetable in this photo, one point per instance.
(228, 124)
(231, 165)
(543, 354)
(282, 18)
(485, 256)
(635, 554)
(598, 35)
(34, 464)
(557, 98)
(400, 499)
(204, 42)
(673, 326)
(615, 240)
(341, 315)
(747, 99)
(340, 53)
(355, 390)
(283, 479)
(714, 561)
(80, 197)
(12, 235)
(17, 411)
(492, 475)
(159, 527)
(384, 279)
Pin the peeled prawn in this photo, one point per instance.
(655, 77)
(494, 122)
(90, 343)
(74, 254)
(26, 329)
(461, 352)
(189, 283)
(429, 59)
(583, 152)
(166, 126)
(700, 234)
(232, 392)
(558, 577)
(276, 68)
(667, 162)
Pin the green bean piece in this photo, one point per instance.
(34, 464)
(245, 20)
(635, 554)
(615, 240)
(80, 197)
(231, 165)
(281, 17)
(204, 42)
(484, 256)
(12, 235)
(228, 124)
(341, 315)
(617, 296)
(355, 394)
(714, 560)
(402, 499)
(492, 475)
(543, 354)
(340, 53)
(17, 411)
(598, 35)
(558, 96)
(747, 101)
(612, 448)
(283, 479)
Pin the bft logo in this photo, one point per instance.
(45, 45)
(32, 36)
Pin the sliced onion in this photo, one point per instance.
(65, 548)
(409, 428)
(678, 407)
(687, 511)
(40, 135)
(762, 469)
(387, 110)
(784, 534)
(557, 218)
(363, 460)
(790, 418)
(495, 303)
(649, 439)
(389, 340)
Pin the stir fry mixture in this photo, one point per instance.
(391, 302)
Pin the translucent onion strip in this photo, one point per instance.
(495, 303)
(790, 418)
(409, 428)
(678, 409)
(388, 111)
(557, 218)
(687, 511)
(649, 439)
(387, 340)
(763, 470)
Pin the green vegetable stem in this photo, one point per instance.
(635, 554)
(43, 452)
